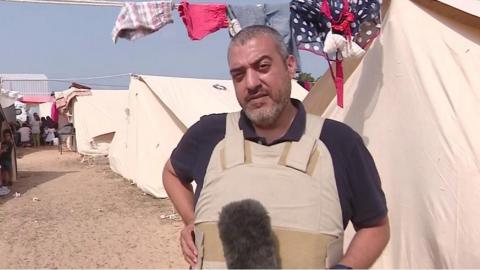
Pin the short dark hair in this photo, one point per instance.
(254, 31)
(5, 131)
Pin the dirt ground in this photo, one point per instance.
(81, 215)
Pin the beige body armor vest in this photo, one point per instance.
(294, 181)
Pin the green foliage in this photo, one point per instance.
(302, 77)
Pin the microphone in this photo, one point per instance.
(247, 237)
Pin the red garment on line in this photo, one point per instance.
(203, 19)
(54, 112)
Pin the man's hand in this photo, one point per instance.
(367, 245)
(188, 245)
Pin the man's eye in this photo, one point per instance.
(237, 76)
(264, 67)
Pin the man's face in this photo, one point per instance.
(7, 137)
(262, 79)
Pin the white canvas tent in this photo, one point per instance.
(160, 111)
(415, 99)
(96, 118)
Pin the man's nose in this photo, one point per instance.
(253, 81)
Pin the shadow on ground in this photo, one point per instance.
(27, 180)
(24, 151)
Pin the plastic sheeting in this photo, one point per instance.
(160, 109)
(44, 109)
(415, 100)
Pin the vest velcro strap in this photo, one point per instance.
(299, 155)
(295, 249)
(234, 151)
(199, 236)
(248, 151)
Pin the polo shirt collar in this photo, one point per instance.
(294, 133)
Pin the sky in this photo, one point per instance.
(73, 42)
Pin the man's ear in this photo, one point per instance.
(291, 65)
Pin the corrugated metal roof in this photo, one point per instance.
(26, 77)
(26, 84)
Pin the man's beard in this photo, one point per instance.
(265, 117)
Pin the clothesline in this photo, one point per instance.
(76, 2)
(74, 79)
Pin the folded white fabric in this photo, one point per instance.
(336, 42)
(234, 27)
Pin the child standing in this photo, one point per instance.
(25, 132)
(6, 161)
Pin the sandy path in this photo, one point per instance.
(85, 217)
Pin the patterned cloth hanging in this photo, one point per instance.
(138, 19)
(335, 29)
(310, 25)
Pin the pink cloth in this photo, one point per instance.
(203, 19)
(54, 112)
(35, 99)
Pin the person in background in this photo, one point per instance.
(27, 121)
(51, 123)
(43, 126)
(25, 132)
(6, 161)
(49, 135)
(35, 125)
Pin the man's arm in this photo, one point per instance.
(181, 195)
(367, 245)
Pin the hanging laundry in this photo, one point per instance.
(203, 19)
(335, 29)
(54, 112)
(247, 15)
(276, 16)
(335, 42)
(312, 20)
(138, 19)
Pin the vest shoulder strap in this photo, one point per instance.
(314, 125)
(232, 123)
(234, 151)
(302, 155)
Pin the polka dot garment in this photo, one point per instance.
(310, 25)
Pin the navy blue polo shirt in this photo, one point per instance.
(358, 183)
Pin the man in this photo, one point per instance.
(312, 175)
(35, 125)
